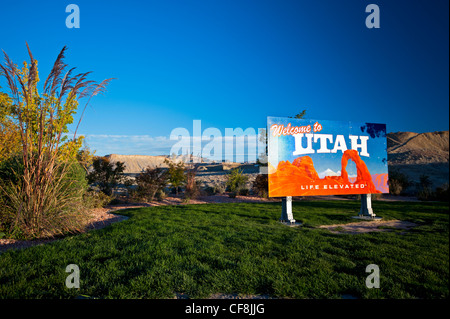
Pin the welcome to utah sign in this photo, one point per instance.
(312, 157)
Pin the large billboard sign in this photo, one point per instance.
(321, 157)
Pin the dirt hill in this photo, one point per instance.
(137, 163)
(414, 148)
(416, 154)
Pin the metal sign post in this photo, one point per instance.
(286, 210)
(366, 207)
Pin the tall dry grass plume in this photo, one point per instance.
(47, 200)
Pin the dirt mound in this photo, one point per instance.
(415, 148)
(135, 164)
(417, 154)
(138, 163)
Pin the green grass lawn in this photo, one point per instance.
(199, 250)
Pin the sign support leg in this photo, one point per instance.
(366, 206)
(286, 211)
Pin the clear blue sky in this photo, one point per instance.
(233, 63)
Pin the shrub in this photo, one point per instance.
(160, 195)
(398, 182)
(244, 191)
(106, 175)
(395, 187)
(210, 191)
(442, 193)
(216, 188)
(75, 178)
(424, 191)
(219, 187)
(96, 199)
(261, 185)
(10, 171)
(150, 182)
(236, 180)
(60, 207)
(192, 189)
(63, 206)
(46, 200)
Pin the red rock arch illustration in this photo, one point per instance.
(361, 169)
(296, 178)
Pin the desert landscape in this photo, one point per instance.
(169, 154)
(416, 154)
(412, 154)
(208, 173)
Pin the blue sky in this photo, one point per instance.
(233, 63)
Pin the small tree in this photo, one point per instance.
(300, 115)
(176, 174)
(236, 181)
(106, 174)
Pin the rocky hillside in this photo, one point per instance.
(414, 148)
(417, 154)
